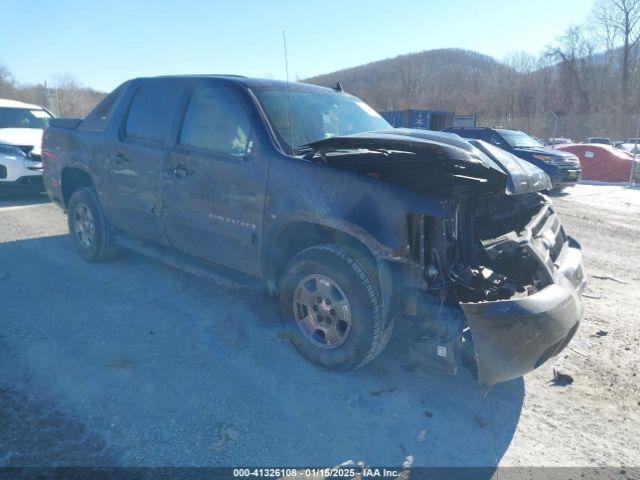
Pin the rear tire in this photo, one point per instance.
(91, 233)
(347, 336)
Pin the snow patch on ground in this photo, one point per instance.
(621, 198)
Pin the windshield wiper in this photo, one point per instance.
(302, 150)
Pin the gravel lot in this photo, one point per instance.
(135, 363)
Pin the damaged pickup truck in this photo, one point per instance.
(353, 224)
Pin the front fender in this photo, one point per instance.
(377, 249)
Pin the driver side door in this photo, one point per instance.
(214, 186)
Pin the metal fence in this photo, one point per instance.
(618, 163)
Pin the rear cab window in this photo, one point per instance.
(98, 119)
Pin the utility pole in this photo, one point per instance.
(555, 127)
(635, 151)
(51, 103)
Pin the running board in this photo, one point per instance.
(223, 276)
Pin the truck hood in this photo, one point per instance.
(408, 158)
(22, 137)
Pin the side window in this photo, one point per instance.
(493, 138)
(98, 118)
(470, 133)
(151, 112)
(216, 122)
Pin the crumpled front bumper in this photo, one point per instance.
(515, 336)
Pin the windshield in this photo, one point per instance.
(23, 118)
(518, 139)
(316, 115)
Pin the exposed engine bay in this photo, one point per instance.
(482, 247)
(511, 241)
(489, 271)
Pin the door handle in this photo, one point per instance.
(121, 158)
(180, 171)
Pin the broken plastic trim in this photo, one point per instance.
(515, 335)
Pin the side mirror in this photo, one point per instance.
(250, 150)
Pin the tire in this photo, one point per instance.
(350, 275)
(84, 212)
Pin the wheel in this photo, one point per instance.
(90, 231)
(331, 307)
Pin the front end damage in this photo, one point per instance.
(517, 283)
(494, 284)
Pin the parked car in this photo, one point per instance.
(21, 127)
(353, 224)
(559, 141)
(562, 168)
(603, 162)
(600, 140)
(632, 148)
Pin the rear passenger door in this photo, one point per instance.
(213, 194)
(137, 158)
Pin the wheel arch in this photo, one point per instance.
(71, 179)
(298, 235)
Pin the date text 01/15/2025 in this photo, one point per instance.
(334, 472)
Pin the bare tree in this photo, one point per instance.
(619, 22)
(521, 62)
(7, 82)
(73, 100)
(411, 79)
(574, 54)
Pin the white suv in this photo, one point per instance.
(21, 127)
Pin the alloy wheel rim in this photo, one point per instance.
(83, 225)
(322, 311)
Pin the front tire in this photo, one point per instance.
(331, 307)
(91, 232)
